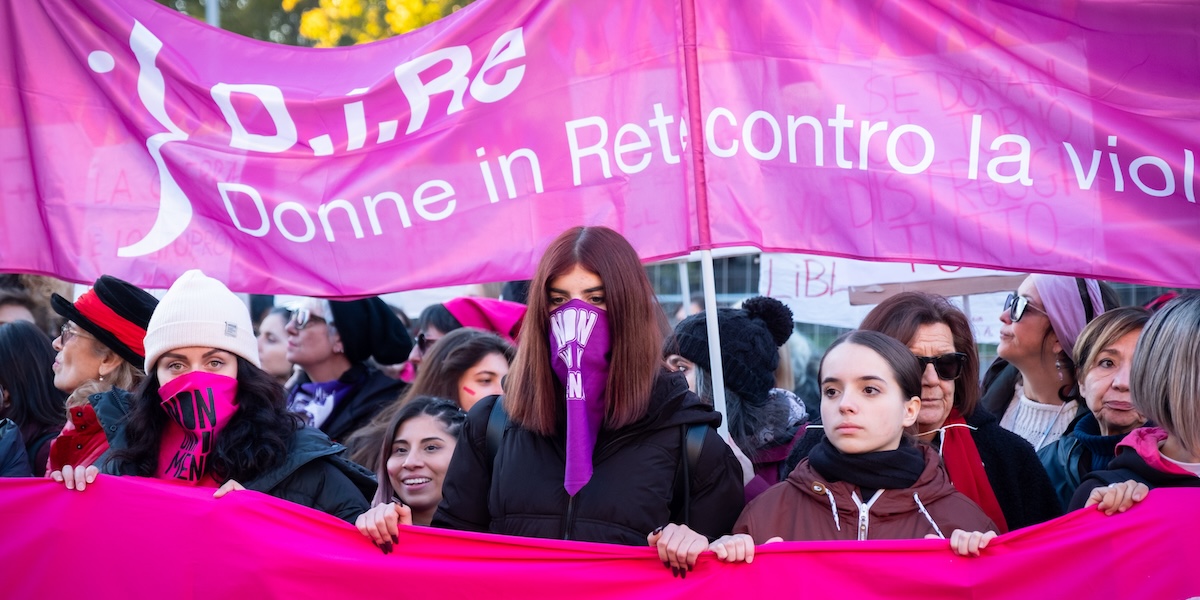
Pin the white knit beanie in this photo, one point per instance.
(200, 311)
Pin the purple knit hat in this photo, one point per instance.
(1064, 306)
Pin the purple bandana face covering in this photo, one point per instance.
(579, 346)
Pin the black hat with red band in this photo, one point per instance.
(114, 312)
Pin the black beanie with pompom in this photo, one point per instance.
(750, 341)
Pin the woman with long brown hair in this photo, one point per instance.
(465, 366)
(594, 444)
(416, 452)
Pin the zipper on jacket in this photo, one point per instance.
(864, 513)
(570, 518)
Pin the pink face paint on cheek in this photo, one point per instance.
(468, 390)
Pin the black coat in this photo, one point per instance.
(14, 461)
(317, 474)
(111, 408)
(631, 490)
(1021, 485)
(372, 392)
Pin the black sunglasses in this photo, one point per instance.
(425, 343)
(947, 366)
(303, 318)
(1016, 305)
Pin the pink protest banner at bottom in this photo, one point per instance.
(139, 538)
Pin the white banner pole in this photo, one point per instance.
(714, 339)
(212, 12)
(685, 288)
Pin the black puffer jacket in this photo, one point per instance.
(317, 474)
(314, 474)
(1018, 479)
(629, 495)
(373, 390)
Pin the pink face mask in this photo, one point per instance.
(198, 404)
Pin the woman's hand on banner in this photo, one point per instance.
(76, 478)
(678, 547)
(738, 547)
(1117, 497)
(381, 524)
(967, 543)
(229, 486)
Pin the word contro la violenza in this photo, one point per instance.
(909, 149)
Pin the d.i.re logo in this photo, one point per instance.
(175, 209)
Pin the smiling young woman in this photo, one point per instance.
(466, 365)
(414, 458)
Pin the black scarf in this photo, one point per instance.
(884, 470)
(1102, 447)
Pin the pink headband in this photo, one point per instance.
(1067, 314)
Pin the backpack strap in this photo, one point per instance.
(695, 443)
(691, 438)
(497, 422)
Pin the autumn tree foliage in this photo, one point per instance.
(321, 23)
(329, 23)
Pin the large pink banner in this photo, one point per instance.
(1039, 136)
(139, 142)
(141, 538)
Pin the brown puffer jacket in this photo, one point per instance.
(807, 507)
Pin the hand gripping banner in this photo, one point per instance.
(165, 540)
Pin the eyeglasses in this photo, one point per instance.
(66, 332)
(1016, 305)
(303, 318)
(947, 366)
(425, 343)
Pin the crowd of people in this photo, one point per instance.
(579, 413)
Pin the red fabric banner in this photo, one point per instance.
(140, 538)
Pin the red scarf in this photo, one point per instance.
(965, 468)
